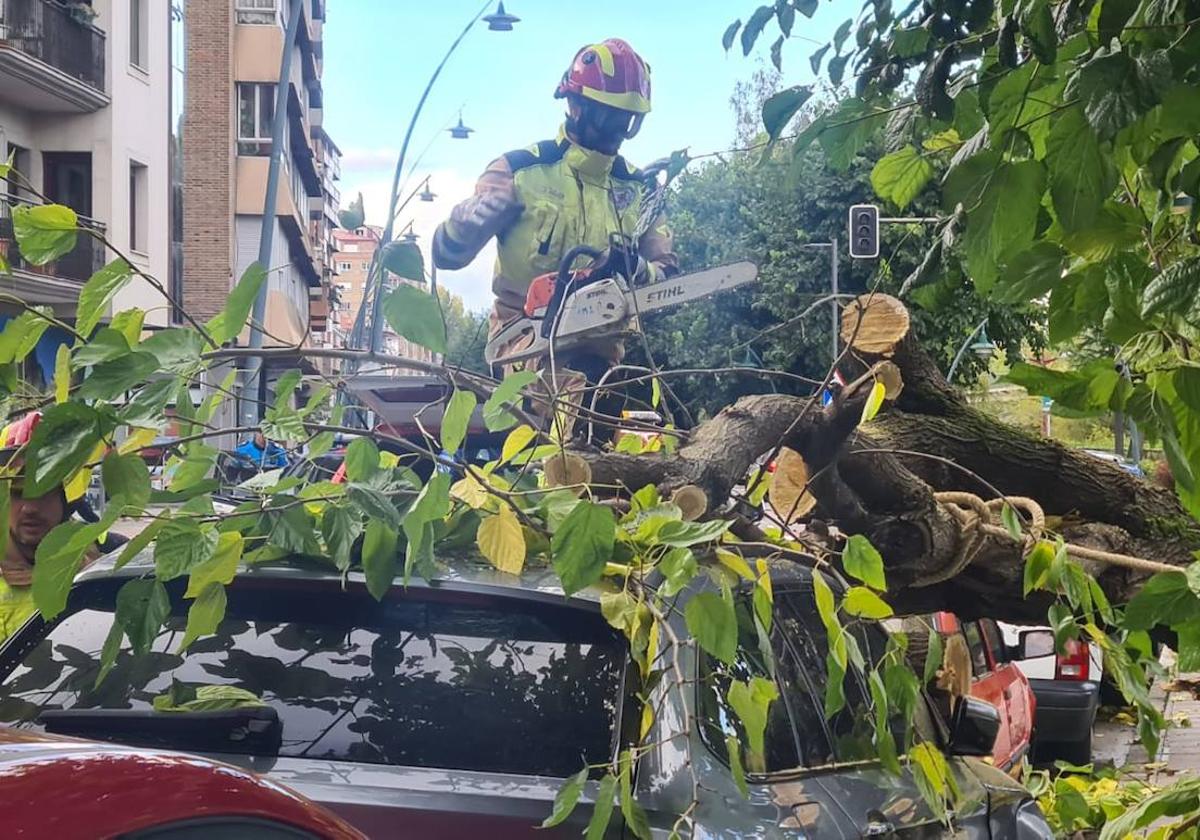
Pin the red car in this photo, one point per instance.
(67, 789)
(997, 680)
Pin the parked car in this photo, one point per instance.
(993, 678)
(1067, 688)
(68, 788)
(457, 707)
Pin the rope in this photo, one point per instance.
(975, 518)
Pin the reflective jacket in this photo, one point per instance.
(572, 196)
(16, 605)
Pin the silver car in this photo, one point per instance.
(457, 707)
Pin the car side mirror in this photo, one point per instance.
(1035, 643)
(974, 727)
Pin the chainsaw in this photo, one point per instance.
(571, 308)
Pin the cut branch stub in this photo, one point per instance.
(566, 469)
(873, 324)
(789, 487)
(893, 382)
(691, 500)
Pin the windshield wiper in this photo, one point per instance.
(251, 730)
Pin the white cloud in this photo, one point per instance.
(473, 283)
(360, 159)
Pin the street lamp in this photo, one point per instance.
(460, 131)
(983, 347)
(499, 21)
(427, 195)
(409, 237)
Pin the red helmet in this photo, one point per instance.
(20, 432)
(610, 73)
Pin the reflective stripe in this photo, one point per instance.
(16, 606)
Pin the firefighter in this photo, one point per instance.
(541, 201)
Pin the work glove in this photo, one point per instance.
(476, 221)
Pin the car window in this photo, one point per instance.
(979, 662)
(798, 733)
(993, 640)
(429, 679)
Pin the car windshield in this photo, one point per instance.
(426, 678)
(798, 734)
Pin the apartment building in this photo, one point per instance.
(352, 263)
(234, 49)
(84, 115)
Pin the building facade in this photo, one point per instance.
(233, 57)
(84, 116)
(352, 265)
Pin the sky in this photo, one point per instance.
(379, 54)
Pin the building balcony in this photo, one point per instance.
(50, 61)
(57, 283)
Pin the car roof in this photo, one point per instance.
(462, 572)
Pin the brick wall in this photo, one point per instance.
(209, 156)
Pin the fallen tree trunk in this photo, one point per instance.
(884, 482)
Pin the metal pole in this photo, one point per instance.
(837, 321)
(961, 350)
(377, 272)
(255, 381)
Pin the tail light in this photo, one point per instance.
(1075, 663)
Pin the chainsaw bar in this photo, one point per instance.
(689, 287)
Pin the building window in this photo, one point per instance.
(345, 266)
(139, 35)
(255, 11)
(256, 112)
(139, 196)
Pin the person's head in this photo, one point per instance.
(30, 517)
(260, 440)
(607, 88)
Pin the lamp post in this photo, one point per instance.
(983, 348)
(498, 21)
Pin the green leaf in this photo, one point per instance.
(373, 503)
(177, 349)
(711, 621)
(129, 324)
(362, 459)
(210, 698)
(826, 607)
(885, 743)
(1002, 201)
(864, 603)
(1189, 646)
(404, 260)
(678, 568)
(933, 657)
(1037, 25)
(105, 345)
(848, 131)
(415, 314)
(495, 415)
(602, 810)
(58, 557)
(860, 560)
(1081, 174)
(814, 60)
(1039, 568)
(751, 702)
(1030, 274)
(126, 476)
(729, 34)
(139, 543)
(1174, 291)
(142, 607)
(1114, 90)
(431, 504)
(582, 545)
(340, 528)
(456, 419)
(220, 568)
(900, 176)
(566, 799)
(754, 26)
(635, 817)
(1012, 522)
(932, 776)
(1164, 599)
(109, 651)
(780, 108)
(835, 684)
(98, 292)
(22, 334)
(379, 557)
(109, 380)
(227, 324)
(205, 614)
(44, 232)
(62, 442)
(734, 749)
(874, 402)
(181, 546)
(685, 534)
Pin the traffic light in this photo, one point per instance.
(864, 231)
